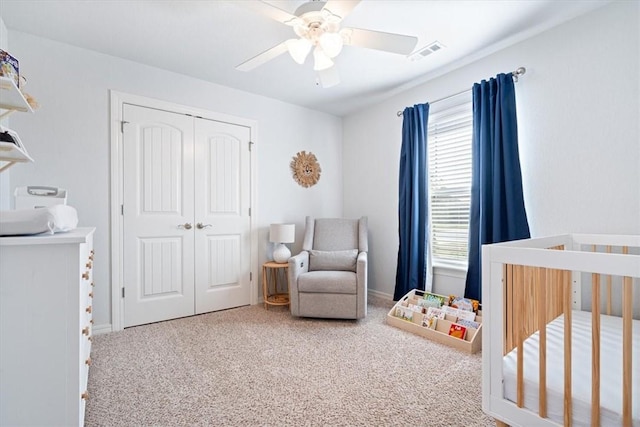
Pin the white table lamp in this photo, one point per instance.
(281, 234)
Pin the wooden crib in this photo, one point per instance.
(561, 344)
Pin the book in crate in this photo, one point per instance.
(430, 321)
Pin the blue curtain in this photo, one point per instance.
(413, 215)
(497, 203)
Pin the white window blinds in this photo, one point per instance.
(449, 142)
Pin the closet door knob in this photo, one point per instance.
(186, 226)
(200, 226)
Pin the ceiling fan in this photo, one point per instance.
(317, 25)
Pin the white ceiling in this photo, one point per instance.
(207, 39)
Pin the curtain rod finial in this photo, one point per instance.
(518, 72)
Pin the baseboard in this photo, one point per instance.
(102, 329)
(379, 294)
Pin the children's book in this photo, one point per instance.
(457, 331)
(459, 314)
(430, 319)
(414, 307)
(426, 303)
(464, 303)
(434, 299)
(404, 313)
(468, 323)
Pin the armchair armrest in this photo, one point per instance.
(361, 271)
(298, 264)
(361, 283)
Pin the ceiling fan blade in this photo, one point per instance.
(329, 77)
(341, 7)
(389, 42)
(267, 9)
(263, 57)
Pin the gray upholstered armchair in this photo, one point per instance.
(329, 277)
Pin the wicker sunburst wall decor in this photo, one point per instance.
(305, 168)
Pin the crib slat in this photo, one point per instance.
(542, 326)
(627, 356)
(568, 403)
(609, 287)
(519, 296)
(595, 350)
(507, 324)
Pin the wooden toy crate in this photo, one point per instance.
(472, 343)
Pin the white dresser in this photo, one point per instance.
(46, 291)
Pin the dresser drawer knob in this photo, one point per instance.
(90, 339)
(85, 330)
(90, 294)
(91, 256)
(91, 321)
(85, 395)
(85, 275)
(89, 264)
(88, 309)
(93, 284)
(88, 361)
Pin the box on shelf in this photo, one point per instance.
(9, 67)
(412, 321)
(33, 197)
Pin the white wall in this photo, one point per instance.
(69, 139)
(578, 113)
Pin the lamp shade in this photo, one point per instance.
(331, 44)
(321, 60)
(298, 49)
(282, 233)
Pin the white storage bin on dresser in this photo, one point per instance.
(46, 291)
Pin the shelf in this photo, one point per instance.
(11, 99)
(12, 153)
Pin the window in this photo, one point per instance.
(449, 134)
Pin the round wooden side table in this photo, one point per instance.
(270, 272)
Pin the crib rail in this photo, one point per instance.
(522, 294)
(536, 290)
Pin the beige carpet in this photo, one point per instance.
(249, 366)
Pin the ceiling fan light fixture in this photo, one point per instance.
(298, 49)
(321, 60)
(331, 44)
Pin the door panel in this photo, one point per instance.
(222, 179)
(158, 201)
(160, 267)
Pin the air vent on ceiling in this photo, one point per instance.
(427, 50)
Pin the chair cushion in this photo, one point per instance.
(335, 282)
(333, 260)
(335, 234)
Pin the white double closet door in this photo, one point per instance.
(186, 215)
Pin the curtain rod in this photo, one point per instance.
(517, 73)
